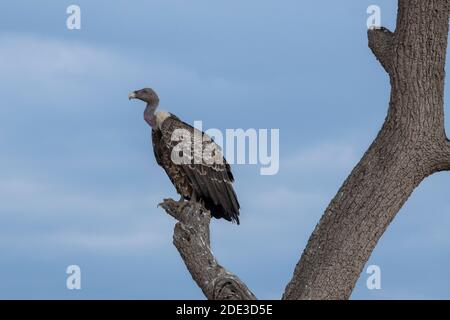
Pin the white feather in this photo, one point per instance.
(160, 117)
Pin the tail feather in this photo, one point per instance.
(217, 211)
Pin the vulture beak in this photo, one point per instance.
(132, 95)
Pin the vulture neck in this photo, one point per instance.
(149, 114)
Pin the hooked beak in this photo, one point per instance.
(132, 95)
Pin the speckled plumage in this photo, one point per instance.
(211, 182)
(207, 180)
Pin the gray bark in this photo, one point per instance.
(411, 145)
(192, 239)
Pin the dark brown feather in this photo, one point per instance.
(212, 183)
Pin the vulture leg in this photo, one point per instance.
(197, 199)
(182, 203)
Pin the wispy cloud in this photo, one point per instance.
(29, 196)
(58, 72)
(282, 198)
(324, 156)
(32, 55)
(129, 241)
(69, 217)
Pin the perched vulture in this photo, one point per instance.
(201, 180)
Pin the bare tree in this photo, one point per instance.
(411, 146)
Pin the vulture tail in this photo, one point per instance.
(217, 211)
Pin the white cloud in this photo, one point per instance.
(31, 196)
(324, 157)
(132, 240)
(23, 56)
(281, 197)
(33, 66)
(71, 217)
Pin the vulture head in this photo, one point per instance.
(147, 95)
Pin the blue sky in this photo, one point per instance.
(79, 184)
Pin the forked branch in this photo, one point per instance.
(381, 44)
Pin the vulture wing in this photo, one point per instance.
(211, 180)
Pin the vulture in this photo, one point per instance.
(199, 179)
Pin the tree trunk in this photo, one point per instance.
(410, 146)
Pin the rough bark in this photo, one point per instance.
(411, 145)
(192, 239)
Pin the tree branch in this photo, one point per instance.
(192, 239)
(444, 155)
(381, 44)
(409, 147)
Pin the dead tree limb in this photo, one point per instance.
(191, 238)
